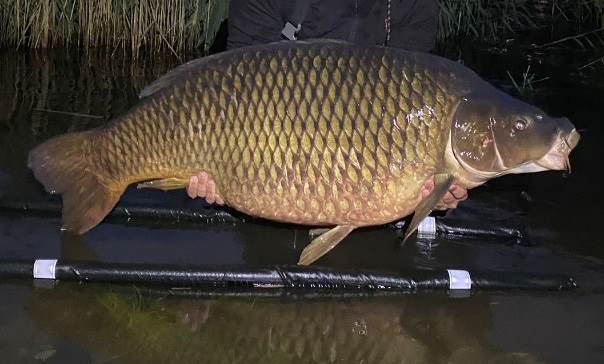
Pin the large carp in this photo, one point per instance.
(321, 133)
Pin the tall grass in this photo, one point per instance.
(482, 19)
(134, 25)
(492, 20)
(178, 26)
(582, 10)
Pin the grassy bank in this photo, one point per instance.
(492, 20)
(178, 26)
(132, 25)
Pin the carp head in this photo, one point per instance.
(493, 134)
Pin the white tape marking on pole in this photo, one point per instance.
(459, 279)
(45, 268)
(427, 228)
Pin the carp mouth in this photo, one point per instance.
(557, 157)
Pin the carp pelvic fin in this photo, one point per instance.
(324, 243)
(60, 164)
(442, 182)
(313, 233)
(166, 184)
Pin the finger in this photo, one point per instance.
(427, 187)
(448, 198)
(211, 189)
(425, 192)
(458, 191)
(211, 192)
(202, 185)
(192, 187)
(429, 184)
(441, 207)
(203, 177)
(194, 326)
(218, 198)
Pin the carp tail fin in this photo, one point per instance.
(62, 165)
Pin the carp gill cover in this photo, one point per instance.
(322, 133)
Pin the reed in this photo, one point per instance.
(525, 85)
(180, 26)
(175, 26)
(488, 20)
(582, 10)
(493, 20)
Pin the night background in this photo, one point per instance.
(71, 65)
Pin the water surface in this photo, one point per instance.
(79, 323)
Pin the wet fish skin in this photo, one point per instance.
(321, 133)
(318, 133)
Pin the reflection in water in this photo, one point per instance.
(425, 257)
(33, 82)
(140, 329)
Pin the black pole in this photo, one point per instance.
(280, 277)
(52, 207)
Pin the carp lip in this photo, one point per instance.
(557, 157)
(554, 160)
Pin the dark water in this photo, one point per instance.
(85, 323)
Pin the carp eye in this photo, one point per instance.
(520, 125)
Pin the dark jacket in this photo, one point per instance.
(413, 22)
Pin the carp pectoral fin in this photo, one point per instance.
(442, 182)
(324, 243)
(166, 184)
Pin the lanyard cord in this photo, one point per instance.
(387, 22)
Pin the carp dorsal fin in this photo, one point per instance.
(442, 182)
(184, 71)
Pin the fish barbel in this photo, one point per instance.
(320, 133)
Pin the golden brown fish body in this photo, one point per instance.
(319, 133)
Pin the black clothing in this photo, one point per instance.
(413, 22)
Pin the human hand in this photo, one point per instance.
(450, 200)
(202, 185)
